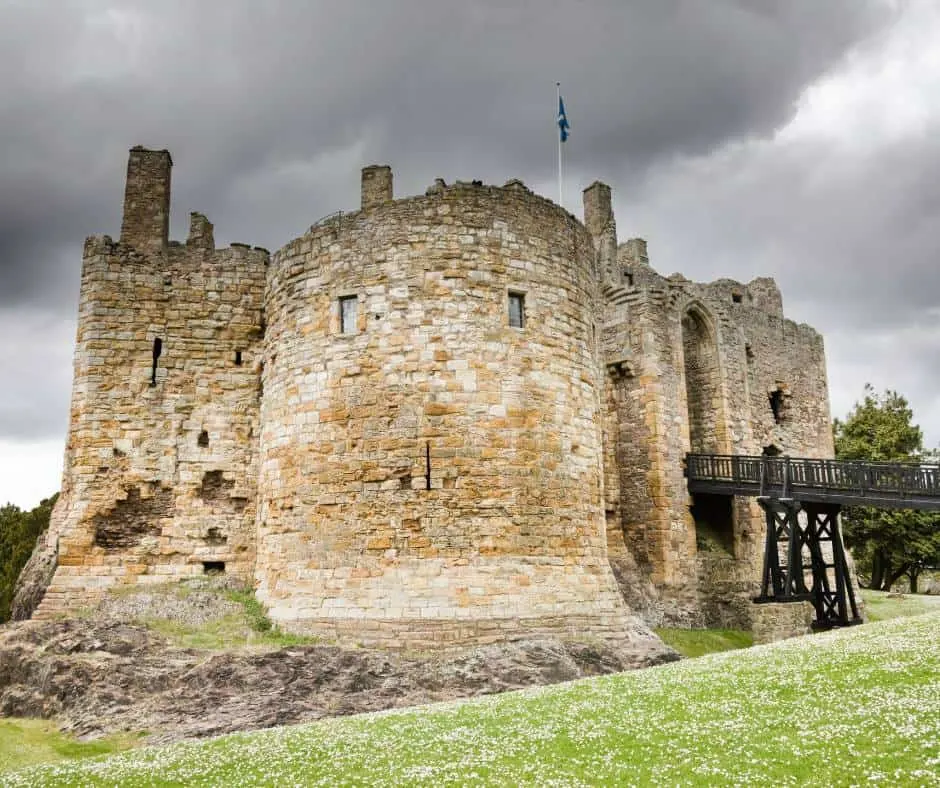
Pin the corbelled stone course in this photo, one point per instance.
(447, 419)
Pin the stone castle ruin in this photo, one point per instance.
(451, 418)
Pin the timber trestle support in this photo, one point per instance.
(804, 560)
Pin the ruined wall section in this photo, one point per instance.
(652, 436)
(763, 352)
(160, 472)
(705, 359)
(433, 388)
(775, 383)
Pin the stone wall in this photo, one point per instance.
(433, 463)
(694, 368)
(160, 471)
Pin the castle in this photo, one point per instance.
(449, 418)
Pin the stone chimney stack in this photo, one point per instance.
(146, 221)
(599, 220)
(376, 185)
(635, 252)
(598, 212)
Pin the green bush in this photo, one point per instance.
(19, 531)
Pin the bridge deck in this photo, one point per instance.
(884, 485)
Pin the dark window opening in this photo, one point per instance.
(749, 352)
(736, 298)
(776, 404)
(771, 451)
(427, 466)
(238, 358)
(214, 536)
(157, 350)
(714, 522)
(203, 439)
(516, 310)
(348, 309)
(628, 278)
(213, 567)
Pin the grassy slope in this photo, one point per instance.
(28, 742)
(881, 606)
(699, 642)
(850, 706)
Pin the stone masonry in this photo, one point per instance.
(458, 417)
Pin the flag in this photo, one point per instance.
(562, 119)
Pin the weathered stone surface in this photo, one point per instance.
(99, 677)
(34, 579)
(776, 621)
(355, 426)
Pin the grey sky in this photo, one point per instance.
(741, 138)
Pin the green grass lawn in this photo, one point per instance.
(881, 606)
(854, 706)
(27, 742)
(699, 642)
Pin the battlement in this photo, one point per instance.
(145, 224)
(441, 202)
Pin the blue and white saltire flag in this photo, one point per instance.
(562, 119)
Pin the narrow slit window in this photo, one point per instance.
(157, 350)
(517, 310)
(427, 466)
(348, 309)
(776, 405)
(238, 358)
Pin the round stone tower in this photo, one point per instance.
(430, 449)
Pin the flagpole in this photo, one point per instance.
(560, 177)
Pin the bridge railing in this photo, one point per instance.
(781, 475)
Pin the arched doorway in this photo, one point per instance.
(712, 514)
(702, 385)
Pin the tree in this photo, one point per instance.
(887, 544)
(19, 531)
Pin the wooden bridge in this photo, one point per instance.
(801, 499)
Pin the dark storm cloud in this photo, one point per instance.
(851, 238)
(239, 90)
(845, 224)
(271, 108)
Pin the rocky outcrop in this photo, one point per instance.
(34, 579)
(100, 677)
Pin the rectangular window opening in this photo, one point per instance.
(213, 567)
(737, 298)
(238, 358)
(348, 310)
(517, 310)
